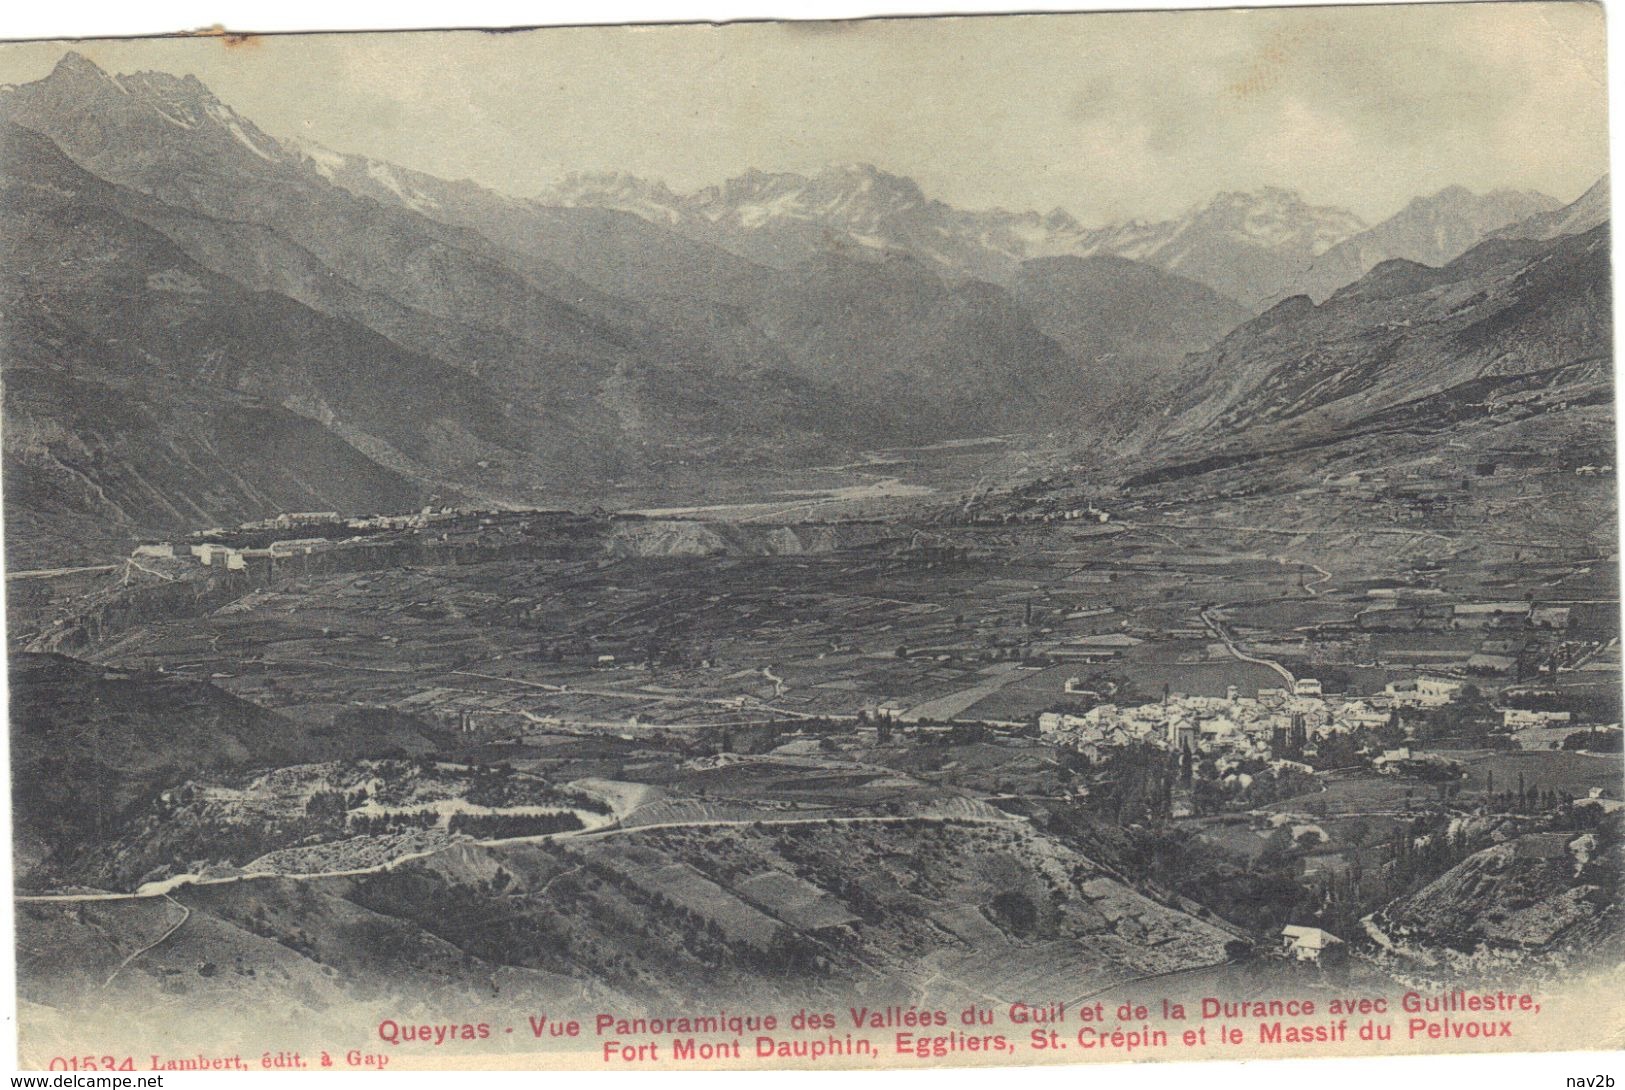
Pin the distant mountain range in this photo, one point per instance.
(1241, 245)
(1250, 247)
(1429, 231)
(205, 323)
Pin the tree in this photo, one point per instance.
(1277, 849)
(1017, 911)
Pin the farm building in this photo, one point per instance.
(1310, 944)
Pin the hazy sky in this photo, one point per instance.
(1107, 116)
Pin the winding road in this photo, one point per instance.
(1325, 577)
(186, 914)
(1216, 626)
(52, 573)
(182, 881)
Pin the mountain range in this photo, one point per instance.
(1253, 248)
(206, 323)
(1239, 244)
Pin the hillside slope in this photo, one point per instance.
(1534, 894)
(1430, 230)
(91, 746)
(1404, 331)
(144, 390)
(1119, 317)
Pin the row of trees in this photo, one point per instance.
(502, 826)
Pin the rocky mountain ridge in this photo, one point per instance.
(1235, 243)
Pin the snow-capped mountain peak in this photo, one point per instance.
(1278, 219)
(152, 101)
(781, 217)
(650, 199)
(364, 176)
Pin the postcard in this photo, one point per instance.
(1003, 540)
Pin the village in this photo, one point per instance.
(1278, 722)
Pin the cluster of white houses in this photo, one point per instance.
(415, 520)
(211, 552)
(289, 519)
(1277, 720)
(1244, 726)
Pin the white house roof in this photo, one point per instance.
(1109, 639)
(1310, 938)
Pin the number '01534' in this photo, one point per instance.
(92, 1063)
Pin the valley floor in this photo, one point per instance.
(509, 759)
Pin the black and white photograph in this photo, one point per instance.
(987, 540)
